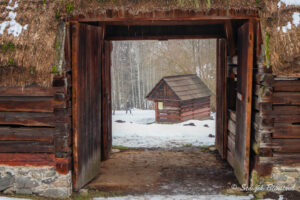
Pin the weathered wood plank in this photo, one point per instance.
(232, 126)
(231, 143)
(281, 158)
(29, 91)
(25, 159)
(230, 158)
(286, 86)
(286, 145)
(30, 119)
(291, 98)
(286, 118)
(30, 105)
(287, 131)
(25, 147)
(196, 111)
(232, 115)
(27, 134)
(285, 110)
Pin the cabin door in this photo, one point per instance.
(87, 43)
(244, 102)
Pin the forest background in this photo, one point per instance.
(137, 66)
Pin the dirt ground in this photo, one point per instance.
(182, 171)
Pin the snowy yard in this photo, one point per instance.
(139, 130)
(180, 197)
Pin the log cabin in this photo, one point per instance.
(180, 98)
(55, 70)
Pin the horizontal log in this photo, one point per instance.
(31, 119)
(286, 110)
(286, 145)
(166, 111)
(194, 112)
(33, 91)
(25, 147)
(286, 131)
(281, 110)
(282, 158)
(286, 118)
(24, 159)
(196, 117)
(31, 105)
(27, 134)
(286, 86)
(287, 98)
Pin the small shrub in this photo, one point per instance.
(69, 7)
(10, 61)
(54, 70)
(9, 46)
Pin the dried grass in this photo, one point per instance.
(36, 48)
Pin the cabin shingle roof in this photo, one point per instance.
(186, 87)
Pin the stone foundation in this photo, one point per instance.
(282, 178)
(42, 181)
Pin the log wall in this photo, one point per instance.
(35, 126)
(178, 111)
(276, 123)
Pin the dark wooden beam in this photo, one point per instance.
(230, 38)
(165, 31)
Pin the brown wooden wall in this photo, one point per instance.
(179, 111)
(276, 123)
(35, 126)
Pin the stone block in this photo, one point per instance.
(26, 182)
(56, 193)
(279, 177)
(6, 182)
(23, 191)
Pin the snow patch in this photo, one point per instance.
(179, 197)
(296, 22)
(289, 3)
(9, 198)
(140, 131)
(296, 18)
(13, 27)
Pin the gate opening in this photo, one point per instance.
(238, 40)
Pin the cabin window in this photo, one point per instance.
(160, 105)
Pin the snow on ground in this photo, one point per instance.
(180, 197)
(140, 131)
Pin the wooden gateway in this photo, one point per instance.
(180, 98)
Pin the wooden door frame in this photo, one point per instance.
(104, 22)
